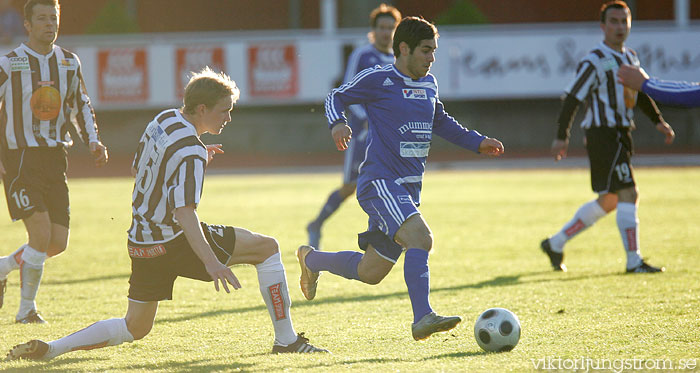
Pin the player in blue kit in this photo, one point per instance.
(383, 21)
(670, 92)
(403, 111)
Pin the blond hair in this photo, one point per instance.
(208, 87)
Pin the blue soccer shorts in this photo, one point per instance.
(388, 206)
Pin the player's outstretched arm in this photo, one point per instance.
(189, 222)
(632, 76)
(492, 147)
(342, 134)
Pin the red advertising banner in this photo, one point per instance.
(273, 70)
(194, 59)
(122, 75)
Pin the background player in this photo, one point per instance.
(664, 91)
(383, 21)
(41, 84)
(404, 111)
(607, 123)
(166, 238)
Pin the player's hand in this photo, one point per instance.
(99, 152)
(341, 136)
(664, 128)
(213, 149)
(632, 76)
(491, 147)
(223, 274)
(559, 149)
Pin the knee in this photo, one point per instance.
(346, 190)
(56, 248)
(423, 242)
(39, 239)
(270, 246)
(628, 195)
(138, 330)
(608, 202)
(267, 247)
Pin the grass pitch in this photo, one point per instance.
(487, 226)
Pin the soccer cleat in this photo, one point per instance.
(433, 323)
(3, 287)
(32, 317)
(32, 350)
(301, 346)
(308, 280)
(314, 232)
(645, 267)
(554, 257)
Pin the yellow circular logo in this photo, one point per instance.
(46, 103)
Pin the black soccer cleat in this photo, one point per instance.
(301, 345)
(554, 257)
(645, 267)
(3, 287)
(32, 350)
(32, 317)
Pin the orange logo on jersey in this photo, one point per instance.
(46, 103)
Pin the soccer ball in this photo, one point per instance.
(497, 330)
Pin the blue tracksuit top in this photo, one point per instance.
(403, 114)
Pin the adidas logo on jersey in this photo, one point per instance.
(387, 82)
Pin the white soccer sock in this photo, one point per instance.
(111, 332)
(628, 224)
(273, 287)
(32, 268)
(9, 263)
(586, 216)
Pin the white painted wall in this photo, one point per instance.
(472, 63)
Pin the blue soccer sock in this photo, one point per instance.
(417, 277)
(332, 204)
(341, 263)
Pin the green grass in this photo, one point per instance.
(487, 226)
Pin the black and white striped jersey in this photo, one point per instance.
(39, 94)
(608, 103)
(169, 163)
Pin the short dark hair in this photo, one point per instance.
(412, 30)
(383, 10)
(29, 7)
(617, 4)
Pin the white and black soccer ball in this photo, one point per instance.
(497, 330)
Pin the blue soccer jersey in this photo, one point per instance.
(403, 114)
(673, 92)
